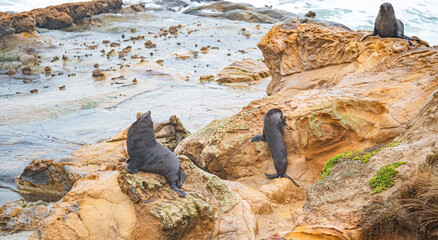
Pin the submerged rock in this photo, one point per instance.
(56, 177)
(142, 206)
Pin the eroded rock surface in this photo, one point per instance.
(54, 17)
(16, 216)
(113, 204)
(58, 176)
(246, 70)
(337, 93)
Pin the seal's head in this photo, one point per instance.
(386, 8)
(145, 120)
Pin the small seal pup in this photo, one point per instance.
(274, 124)
(387, 25)
(148, 155)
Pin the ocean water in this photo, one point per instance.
(419, 17)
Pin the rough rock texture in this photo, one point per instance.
(112, 205)
(58, 176)
(240, 11)
(337, 93)
(54, 17)
(16, 216)
(246, 70)
(337, 202)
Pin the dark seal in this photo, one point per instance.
(274, 124)
(387, 25)
(148, 155)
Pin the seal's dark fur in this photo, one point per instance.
(274, 124)
(148, 155)
(387, 25)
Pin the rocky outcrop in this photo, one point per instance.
(56, 177)
(246, 70)
(54, 17)
(16, 216)
(240, 11)
(342, 199)
(337, 92)
(113, 204)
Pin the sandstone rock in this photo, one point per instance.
(54, 17)
(26, 70)
(259, 203)
(149, 44)
(246, 70)
(113, 204)
(338, 201)
(337, 94)
(16, 216)
(56, 177)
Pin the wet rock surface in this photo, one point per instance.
(54, 17)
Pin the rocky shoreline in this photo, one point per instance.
(355, 110)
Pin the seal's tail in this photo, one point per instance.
(296, 184)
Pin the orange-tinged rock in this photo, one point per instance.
(246, 70)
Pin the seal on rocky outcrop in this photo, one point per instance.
(274, 124)
(387, 25)
(148, 155)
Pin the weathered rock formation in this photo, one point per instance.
(246, 70)
(54, 17)
(18, 216)
(58, 176)
(113, 204)
(337, 93)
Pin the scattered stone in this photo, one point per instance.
(71, 75)
(26, 70)
(64, 57)
(56, 58)
(62, 87)
(98, 74)
(60, 73)
(160, 62)
(106, 41)
(96, 65)
(133, 30)
(117, 78)
(149, 44)
(204, 50)
(114, 44)
(173, 30)
(134, 81)
(34, 91)
(139, 37)
(310, 14)
(11, 72)
(47, 69)
(207, 78)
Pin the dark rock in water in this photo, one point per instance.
(310, 14)
(241, 12)
(16, 216)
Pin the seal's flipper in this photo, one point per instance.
(182, 176)
(177, 190)
(258, 138)
(283, 121)
(286, 176)
(131, 168)
(271, 176)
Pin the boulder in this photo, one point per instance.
(17, 216)
(113, 204)
(56, 177)
(246, 70)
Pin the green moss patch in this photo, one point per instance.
(362, 156)
(385, 177)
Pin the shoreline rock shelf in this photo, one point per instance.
(54, 17)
